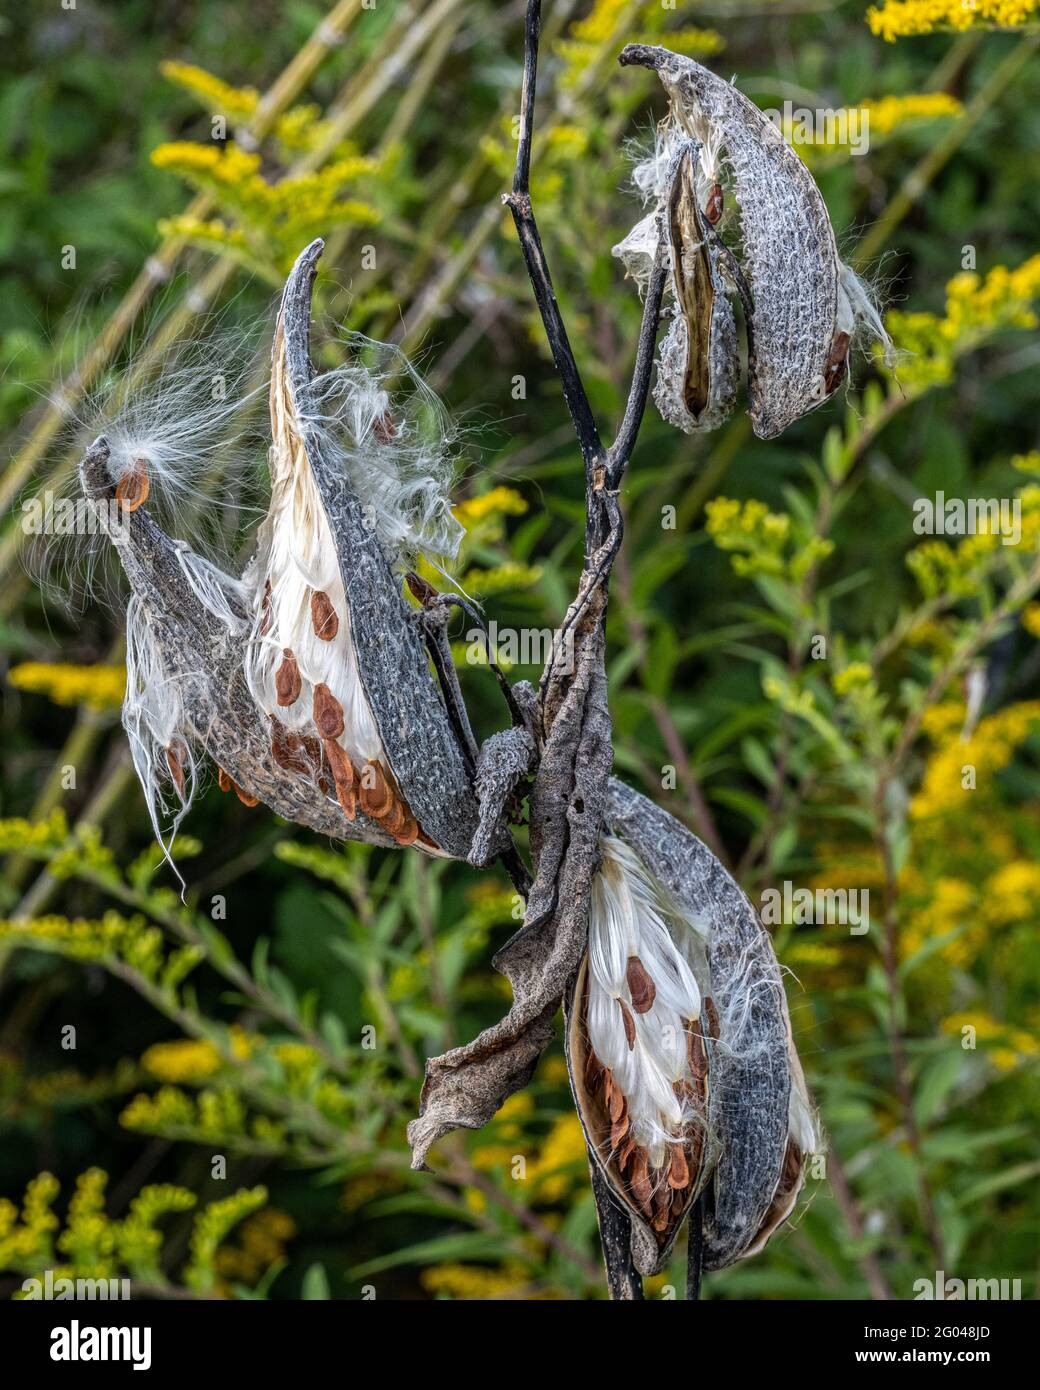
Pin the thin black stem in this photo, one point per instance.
(592, 450)
(532, 37)
(620, 451)
(519, 204)
(615, 1233)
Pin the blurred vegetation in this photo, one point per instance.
(279, 1017)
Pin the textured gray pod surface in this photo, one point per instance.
(204, 657)
(790, 256)
(409, 712)
(751, 1075)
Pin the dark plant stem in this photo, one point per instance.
(604, 470)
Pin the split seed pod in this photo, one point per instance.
(234, 667)
(697, 367)
(697, 370)
(759, 1126)
(805, 305)
(639, 1057)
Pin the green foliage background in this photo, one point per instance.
(245, 1035)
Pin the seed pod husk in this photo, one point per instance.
(697, 369)
(759, 1113)
(801, 296)
(196, 624)
(404, 705)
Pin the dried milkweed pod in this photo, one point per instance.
(311, 668)
(330, 626)
(697, 365)
(639, 1054)
(744, 1125)
(804, 306)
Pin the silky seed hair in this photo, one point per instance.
(162, 745)
(635, 937)
(190, 437)
(188, 432)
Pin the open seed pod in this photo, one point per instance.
(335, 655)
(640, 1048)
(697, 372)
(307, 681)
(759, 1127)
(805, 305)
(186, 694)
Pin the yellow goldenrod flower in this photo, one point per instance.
(236, 103)
(856, 676)
(97, 687)
(897, 19)
(188, 1060)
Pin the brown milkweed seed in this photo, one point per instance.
(327, 711)
(287, 749)
(837, 361)
(678, 1171)
(662, 1215)
(714, 205)
(711, 1015)
(409, 831)
(630, 1024)
(695, 1053)
(640, 1180)
(376, 793)
(323, 616)
(619, 1129)
(265, 610)
(243, 796)
(174, 763)
(640, 986)
(223, 780)
(133, 487)
(342, 776)
(287, 682)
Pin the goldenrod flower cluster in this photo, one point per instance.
(98, 687)
(261, 1244)
(97, 1247)
(858, 675)
(212, 1224)
(878, 120)
(942, 568)
(273, 219)
(490, 506)
(611, 22)
(897, 19)
(1013, 1045)
(129, 940)
(764, 542)
(186, 1060)
(236, 103)
(41, 837)
(988, 750)
(928, 345)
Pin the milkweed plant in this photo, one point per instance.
(561, 868)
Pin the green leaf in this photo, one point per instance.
(315, 1287)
